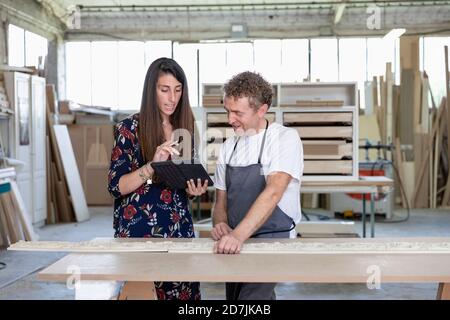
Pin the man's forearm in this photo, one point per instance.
(259, 212)
(219, 215)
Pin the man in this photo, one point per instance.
(257, 178)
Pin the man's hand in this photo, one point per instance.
(228, 244)
(221, 229)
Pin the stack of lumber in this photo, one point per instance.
(419, 132)
(66, 201)
(14, 222)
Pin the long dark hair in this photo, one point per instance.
(150, 129)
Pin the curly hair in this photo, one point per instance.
(251, 85)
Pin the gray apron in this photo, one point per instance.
(244, 185)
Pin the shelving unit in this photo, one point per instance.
(324, 114)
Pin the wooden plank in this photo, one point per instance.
(52, 100)
(422, 145)
(382, 110)
(389, 108)
(317, 117)
(11, 221)
(368, 131)
(72, 174)
(326, 149)
(398, 161)
(50, 193)
(409, 182)
(325, 132)
(328, 266)
(62, 205)
(406, 112)
(4, 230)
(446, 196)
(24, 217)
(328, 167)
(409, 52)
(374, 92)
(428, 149)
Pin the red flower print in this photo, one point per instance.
(126, 133)
(175, 217)
(184, 295)
(140, 190)
(166, 196)
(161, 294)
(123, 234)
(129, 212)
(116, 153)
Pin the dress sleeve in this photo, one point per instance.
(121, 156)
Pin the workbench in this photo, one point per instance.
(359, 263)
(365, 185)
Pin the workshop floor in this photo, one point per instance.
(19, 279)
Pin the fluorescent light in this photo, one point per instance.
(338, 12)
(394, 34)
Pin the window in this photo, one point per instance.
(294, 60)
(352, 63)
(268, 59)
(111, 73)
(35, 49)
(324, 60)
(104, 70)
(186, 56)
(434, 65)
(78, 72)
(16, 45)
(131, 74)
(155, 50)
(379, 52)
(213, 68)
(25, 48)
(239, 58)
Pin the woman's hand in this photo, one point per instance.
(165, 150)
(196, 190)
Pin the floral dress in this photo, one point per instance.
(151, 210)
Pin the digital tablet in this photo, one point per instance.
(176, 175)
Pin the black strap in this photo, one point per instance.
(276, 231)
(263, 142)
(262, 145)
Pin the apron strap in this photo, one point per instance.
(232, 152)
(276, 231)
(262, 145)
(263, 141)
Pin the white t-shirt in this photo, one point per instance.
(283, 152)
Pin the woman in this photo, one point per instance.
(142, 208)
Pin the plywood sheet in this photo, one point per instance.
(397, 266)
(71, 172)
